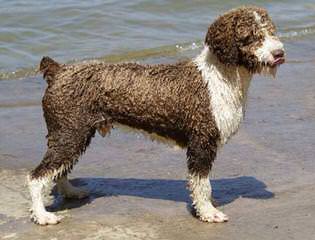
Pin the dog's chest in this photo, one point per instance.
(226, 102)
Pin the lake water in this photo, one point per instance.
(130, 30)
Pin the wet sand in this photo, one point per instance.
(263, 179)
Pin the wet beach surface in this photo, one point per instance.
(263, 179)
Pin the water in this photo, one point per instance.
(128, 30)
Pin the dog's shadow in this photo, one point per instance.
(225, 190)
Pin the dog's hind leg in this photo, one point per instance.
(201, 153)
(64, 148)
(38, 212)
(66, 189)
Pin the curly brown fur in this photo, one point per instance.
(157, 99)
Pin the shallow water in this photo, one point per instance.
(124, 30)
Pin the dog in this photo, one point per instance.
(199, 104)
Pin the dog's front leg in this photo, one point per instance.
(201, 153)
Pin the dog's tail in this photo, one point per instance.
(49, 68)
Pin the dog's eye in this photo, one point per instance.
(247, 40)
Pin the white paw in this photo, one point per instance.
(212, 216)
(45, 218)
(75, 193)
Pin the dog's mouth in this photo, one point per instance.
(270, 67)
(276, 62)
(278, 56)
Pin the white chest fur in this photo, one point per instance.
(228, 90)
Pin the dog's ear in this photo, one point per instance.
(221, 38)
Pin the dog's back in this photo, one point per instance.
(160, 99)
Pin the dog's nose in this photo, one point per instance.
(278, 53)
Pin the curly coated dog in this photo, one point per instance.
(199, 104)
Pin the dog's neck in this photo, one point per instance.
(228, 86)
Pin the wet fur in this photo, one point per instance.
(158, 99)
(175, 101)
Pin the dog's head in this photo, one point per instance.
(246, 36)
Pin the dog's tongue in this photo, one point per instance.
(278, 61)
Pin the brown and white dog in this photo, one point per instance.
(199, 104)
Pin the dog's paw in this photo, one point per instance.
(213, 216)
(75, 193)
(45, 218)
